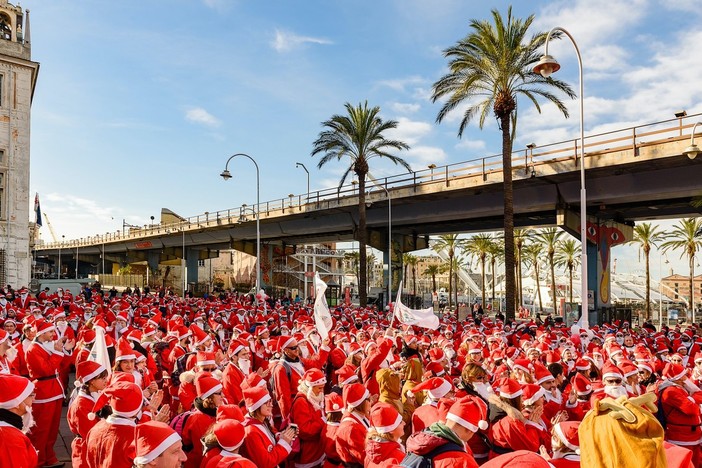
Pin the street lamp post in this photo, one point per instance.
(693, 150)
(387, 193)
(226, 175)
(58, 272)
(546, 66)
(299, 164)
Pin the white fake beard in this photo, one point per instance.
(315, 339)
(484, 389)
(620, 341)
(27, 420)
(615, 391)
(11, 353)
(61, 326)
(450, 354)
(304, 352)
(137, 377)
(3, 301)
(599, 363)
(48, 346)
(220, 333)
(316, 400)
(245, 366)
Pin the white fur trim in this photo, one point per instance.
(352, 378)
(231, 449)
(511, 395)
(391, 427)
(92, 375)
(462, 422)
(612, 375)
(158, 450)
(258, 404)
(126, 357)
(443, 389)
(530, 401)
(288, 342)
(206, 363)
(317, 383)
(15, 402)
(46, 330)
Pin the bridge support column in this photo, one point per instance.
(191, 258)
(152, 261)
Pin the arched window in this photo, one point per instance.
(5, 27)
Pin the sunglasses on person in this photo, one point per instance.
(293, 348)
(614, 381)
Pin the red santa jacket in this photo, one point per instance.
(380, 454)
(80, 425)
(226, 459)
(332, 460)
(285, 387)
(682, 415)
(311, 427)
(425, 416)
(260, 445)
(351, 438)
(16, 447)
(195, 427)
(371, 364)
(43, 367)
(110, 443)
(513, 434)
(231, 384)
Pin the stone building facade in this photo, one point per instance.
(18, 76)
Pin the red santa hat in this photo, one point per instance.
(125, 399)
(436, 369)
(333, 403)
(182, 332)
(253, 380)
(347, 374)
(542, 374)
(673, 371)
(470, 412)
(255, 397)
(230, 434)
(205, 358)
(206, 385)
(611, 371)
(3, 335)
(582, 385)
(152, 439)
(42, 326)
(314, 377)
(354, 395)
(199, 335)
(14, 389)
(229, 411)
(532, 393)
(567, 432)
(436, 387)
(286, 341)
(384, 418)
(510, 388)
(237, 345)
(628, 368)
(523, 365)
(125, 352)
(518, 459)
(88, 370)
(436, 354)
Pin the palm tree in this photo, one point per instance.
(479, 246)
(459, 262)
(496, 252)
(451, 243)
(412, 261)
(568, 256)
(686, 236)
(352, 260)
(647, 236)
(534, 252)
(489, 69)
(549, 239)
(520, 237)
(432, 270)
(358, 136)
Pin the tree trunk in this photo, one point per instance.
(570, 278)
(414, 280)
(499, 307)
(647, 313)
(482, 272)
(692, 291)
(450, 298)
(538, 285)
(553, 281)
(520, 297)
(509, 213)
(361, 236)
(433, 281)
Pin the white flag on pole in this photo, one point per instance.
(98, 352)
(322, 317)
(424, 318)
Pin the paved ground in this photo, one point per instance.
(65, 437)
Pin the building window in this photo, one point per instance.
(201, 263)
(2, 195)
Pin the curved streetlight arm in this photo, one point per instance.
(226, 175)
(299, 164)
(583, 193)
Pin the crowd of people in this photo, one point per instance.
(230, 381)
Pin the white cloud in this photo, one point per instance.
(201, 116)
(401, 84)
(470, 144)
(73, 216)
(405, 108)
(286, 41)
(421, 156)
(410, 131)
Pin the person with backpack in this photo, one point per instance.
(229, 435)
(383, 439)
(306, 413)
(209, 397)
(442, 445)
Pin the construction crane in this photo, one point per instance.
(51, 228)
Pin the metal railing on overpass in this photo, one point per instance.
(524, 161)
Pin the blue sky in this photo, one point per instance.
(139, 104)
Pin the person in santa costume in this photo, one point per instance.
(262, 445)
(510, 432)
(209, 397)
(334, 407)
(110, 443)
(383, 439)
(229, 435)
(306, 412)
(565, 444)
(16, 397)
(91, 379)
(518, 459)
(436, 388)
(351, 435)
(63, 330)
(236, 370)
(157, 446)
(8, 353)
(445, 442)
(44, 358)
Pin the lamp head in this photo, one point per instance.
(692, 151)
(226, 175)
(546, 66)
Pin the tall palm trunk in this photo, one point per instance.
(553, 280)
(570, 278)
(361, 236)
(482, 273)
(504, 116)
(492, 266)
(692, 291)
(414, 280)
(538, 284)
(433, 282)
(450, 297)
(647, 316)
